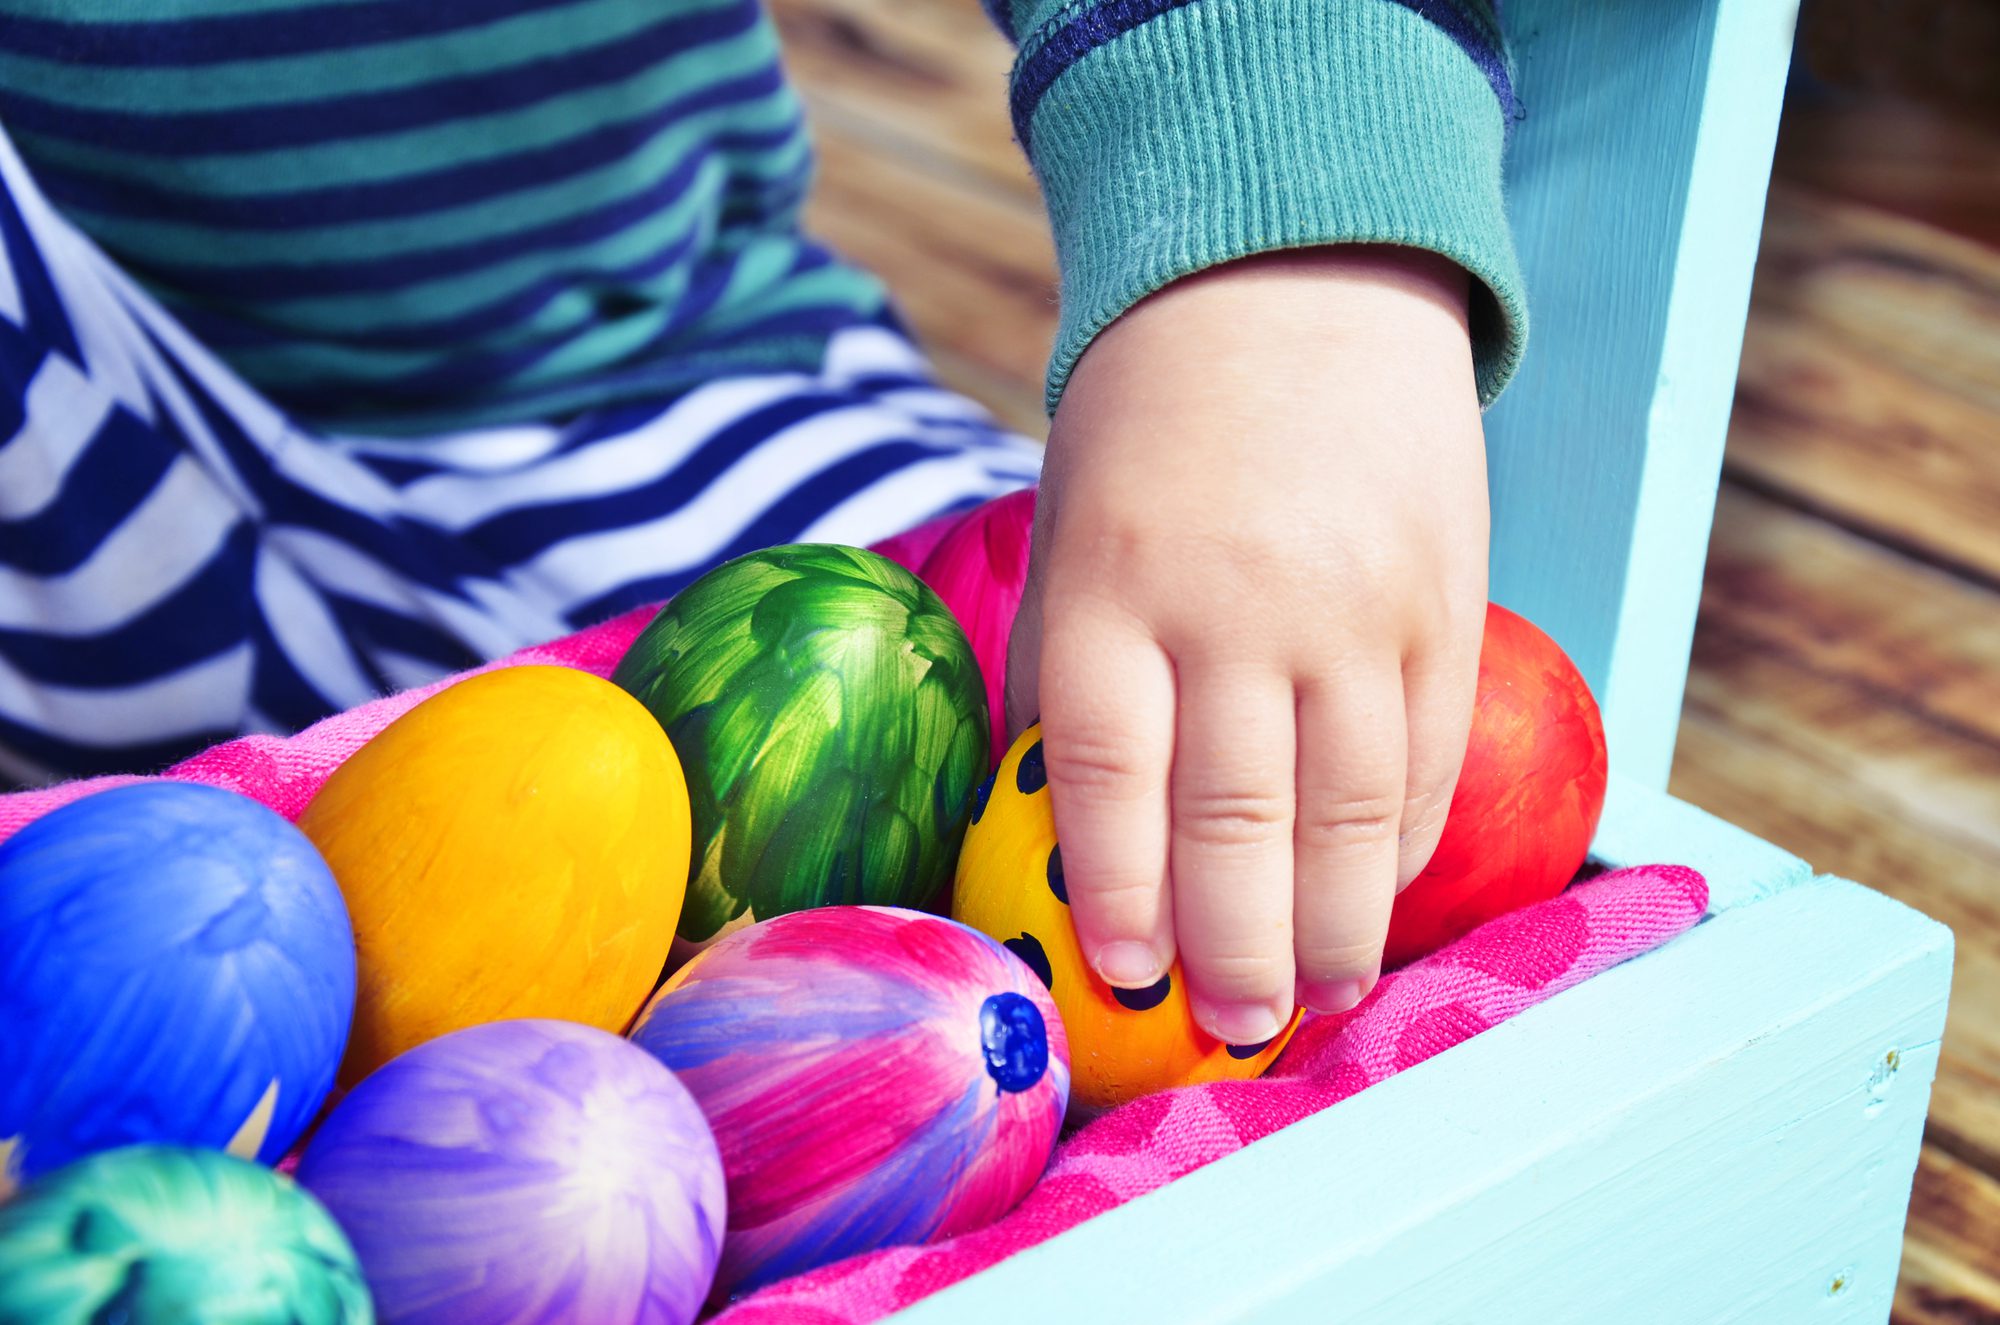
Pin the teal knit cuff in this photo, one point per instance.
(1221, 128)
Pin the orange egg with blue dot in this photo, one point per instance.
(1124, 1043)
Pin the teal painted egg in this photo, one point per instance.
(832, 721)
(162, 1235)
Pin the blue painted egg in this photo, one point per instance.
(175, 966)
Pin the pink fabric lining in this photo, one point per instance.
(1489, 975)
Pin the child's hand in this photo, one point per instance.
(1253, 619)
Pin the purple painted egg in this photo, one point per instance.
(524, 1171)
(873, 1076)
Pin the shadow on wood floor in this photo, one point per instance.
(1845, 696)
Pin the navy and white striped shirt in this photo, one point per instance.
(404, 215)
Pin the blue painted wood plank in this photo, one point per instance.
(1643, 827)
(1636, 186)
(1723, 1130)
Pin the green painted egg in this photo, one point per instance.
(832, 722)
(164, 1235)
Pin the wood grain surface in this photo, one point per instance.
(1870, 392)
(1845, 695)
(1951, 1273)
(1844, 700)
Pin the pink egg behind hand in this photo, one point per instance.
(909, 548)
(979, 567)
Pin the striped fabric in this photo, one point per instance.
(353, 340)
(180, 561)
(403, 215)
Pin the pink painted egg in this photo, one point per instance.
(873, 1076)
(909, 548)
(979, 567)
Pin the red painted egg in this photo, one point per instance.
(1528, 797)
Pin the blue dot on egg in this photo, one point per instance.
(1031, 775)
(980, 795)
(1249, 1050)
(1056, 884)
(1015, 1039)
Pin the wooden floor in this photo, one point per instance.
(1845, 697)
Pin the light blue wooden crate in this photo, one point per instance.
(1722, 1130)
(1725, 1129)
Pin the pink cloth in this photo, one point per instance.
(1489, 975)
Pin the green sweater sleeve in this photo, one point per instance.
(1172, 135)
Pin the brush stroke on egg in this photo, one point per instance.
(176, 965)
(845, 1058)
(833, 722)
(165, 1235)
(524, 1171)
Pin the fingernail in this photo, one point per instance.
(1127, 963)
(1240, 1023)
(1334, 995)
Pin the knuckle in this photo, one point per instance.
(1098, 893)
(1340, 824)
(1092, 765)
(1230, 817)
(1242, 975)
(1256, 552)
(1338, 958)
(1123, 533)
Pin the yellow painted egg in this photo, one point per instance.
(514, 846)
(1123, 1043)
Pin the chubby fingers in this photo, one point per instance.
(1352, 735)
(1231, 854)
(1107, 705)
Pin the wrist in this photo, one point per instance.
(1344, 291)
(1285, 324)
(1235, 127)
